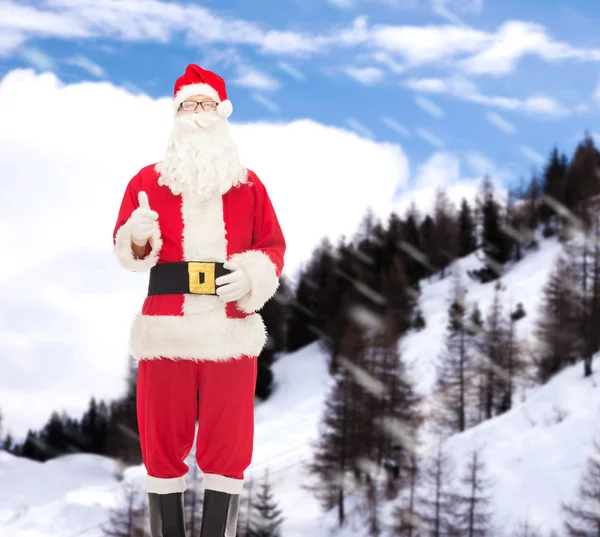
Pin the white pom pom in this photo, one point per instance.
(225, 108)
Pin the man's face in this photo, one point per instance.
(198, 104)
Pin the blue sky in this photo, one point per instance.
(505, 80)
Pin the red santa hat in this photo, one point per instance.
(198, 81)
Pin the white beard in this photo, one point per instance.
(201, 158)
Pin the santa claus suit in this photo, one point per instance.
(213, 344)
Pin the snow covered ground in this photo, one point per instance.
(535, 453)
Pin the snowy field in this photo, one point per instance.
(535, 453)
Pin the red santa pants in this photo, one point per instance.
(170, 395)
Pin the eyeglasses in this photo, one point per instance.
(191, 106)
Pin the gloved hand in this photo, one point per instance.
(142, 221)
(238, 283)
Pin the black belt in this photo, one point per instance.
(196, 277)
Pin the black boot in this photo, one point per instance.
(219, 514)
(166, 515)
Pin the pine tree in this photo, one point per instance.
(373, 508)
(93, 429)
(557, 327)
(275, 314)
(123, 435)
(445, 232)
(583, 183)
(473, 516)
(437, 503)
(266, 517)
(492, 354)
(514, 366)
(525, 528)
(582, 518)
(417, 266)
(553, 192)
(430, 245)
(129, 518)
(495, 243)
(338, 445)
(467, 230)
(454, 370)
(406, 519)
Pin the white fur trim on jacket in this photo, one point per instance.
(223, 484)
(263, 279)
(158, 485)
(124, 252)
(212, 336)
(194, 89)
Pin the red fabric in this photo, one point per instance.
(167, 409)
(250, 224)
(194, 74)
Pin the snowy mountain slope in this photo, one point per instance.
(524, 283)
(535, 452)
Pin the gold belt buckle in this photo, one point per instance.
(207, 287)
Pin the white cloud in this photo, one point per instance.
(533, 155)
(400, 46)
(597, 94)
(516, 39)
(88, 65)
(65, 337)
(343, 4)
(431, 138)
(291, 70)
(481, 165)
(269, 104)
(38, 59)
(359, 127)
(386, 59)
(259, 80)
(420, 45)
(466, 90)
(441, 170)
(394, 125)
(503, 124)
(365, 75)
(429, 107)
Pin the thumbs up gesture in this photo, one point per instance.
(142, 221)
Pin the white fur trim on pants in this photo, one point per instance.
(223, 484)
(159, 485)
(263, 279)
(212, 336)
(124, 252)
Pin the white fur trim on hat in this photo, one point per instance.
(194, 89)
(225, 108)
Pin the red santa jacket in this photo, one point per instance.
(239, 226)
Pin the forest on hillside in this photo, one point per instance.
(359, 297)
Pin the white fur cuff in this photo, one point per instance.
(158, 485)
(223, 484)
(263, 278)
(124, 252)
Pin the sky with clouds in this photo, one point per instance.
(339, 105)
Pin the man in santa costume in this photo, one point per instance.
(204, 228)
